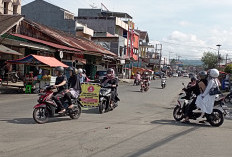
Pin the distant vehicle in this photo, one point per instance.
(185, 75)
(175, 75)
(191, 75)
(100, 75)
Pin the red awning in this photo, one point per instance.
(46, 43)
(36, 60)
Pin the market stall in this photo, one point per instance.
(43, 70)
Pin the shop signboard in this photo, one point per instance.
(90, 94)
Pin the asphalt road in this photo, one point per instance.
(142, 125)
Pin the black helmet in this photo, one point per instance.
(110, 71)
(74, 70)
(193, 79)
(202, 74)
(59, 69)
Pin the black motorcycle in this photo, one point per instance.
(46, 107)
(105, 99)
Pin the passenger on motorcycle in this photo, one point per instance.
(81, 76)
(196, 89)
(205, 101)
(61, 85)
(113, 82)
(145, 77)
(74, 87)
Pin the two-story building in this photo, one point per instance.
(10, 7)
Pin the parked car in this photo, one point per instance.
(100, 75)
(185, 75)
(175, 75)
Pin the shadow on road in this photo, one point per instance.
(173, 122)
(162, 142)
(91, 111)
(31, 120)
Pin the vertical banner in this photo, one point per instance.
(90, 94)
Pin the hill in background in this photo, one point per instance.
(192, 62)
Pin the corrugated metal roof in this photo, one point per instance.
(46, 43)
(71, 40)
(4, 49)
(9, 21)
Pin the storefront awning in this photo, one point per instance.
(6, 50)
(38, 60)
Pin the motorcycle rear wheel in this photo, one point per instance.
(178, 114)
(216, 118)
(40, 115)
(75, 113)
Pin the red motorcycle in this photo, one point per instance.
(47, 107)
(144, 86)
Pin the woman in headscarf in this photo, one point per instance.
(205, 101)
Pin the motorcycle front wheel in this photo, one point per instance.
(178, 113)
(216, 118)
(102, 107)
(40, 115)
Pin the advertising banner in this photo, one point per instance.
(90, 94)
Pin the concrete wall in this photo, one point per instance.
(10, 6)
(99, 24)
(49, 15)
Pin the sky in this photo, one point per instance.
(185, 28)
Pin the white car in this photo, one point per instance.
(185, 75)
(175, 75)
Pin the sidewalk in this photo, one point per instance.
(126, 80)
(10, 90)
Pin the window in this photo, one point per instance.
(6, 7)
(15, 9)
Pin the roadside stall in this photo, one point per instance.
(42, 75)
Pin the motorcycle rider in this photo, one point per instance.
(196, 89)
(113, 82)
(74, 86)
(81, 76)
(205, 101)
(137, 78)
(61, 85)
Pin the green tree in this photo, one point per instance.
(209, 60)
(228, 68)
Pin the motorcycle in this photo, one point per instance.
(216, 118)
(163, 83)
(144, 86)
(46, 107)
(137, 82)
(228, 98)
(105, 99)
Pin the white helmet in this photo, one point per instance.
(80, 70)
(214, 73)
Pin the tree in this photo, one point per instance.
(209, 60)
(228, 68)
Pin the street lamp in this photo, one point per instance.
(218, 55)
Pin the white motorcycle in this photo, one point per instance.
(216, 118)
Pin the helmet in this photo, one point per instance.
(202, 74)
(193, 79)
(80, 70)
(59, 69)
(84, 71)
(110, 71)
(74, 70)
(214, 73)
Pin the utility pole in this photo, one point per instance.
(218, 54)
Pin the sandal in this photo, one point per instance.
(62, 111)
